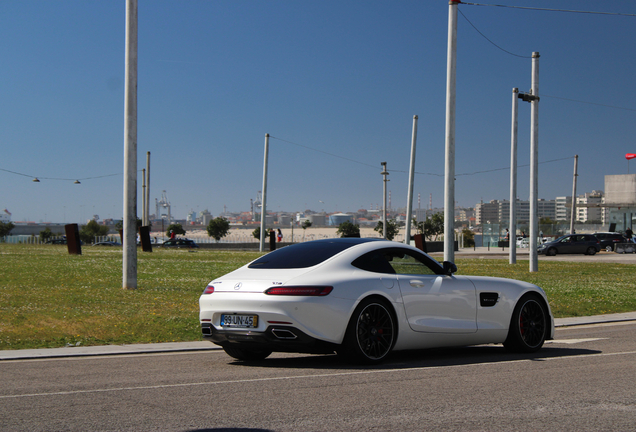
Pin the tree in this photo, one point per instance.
(91, 230)
(45, 234)
(432, 226)
(218, 228)
(176, 228)
(257, 232)
(392, 228)
(120, 224)
(348, 229)
(469, 237)
(5, 228)
(306, 224)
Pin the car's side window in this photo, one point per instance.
(407, 264)
(397, 260)
(376, 262)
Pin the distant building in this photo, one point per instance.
(591, 209)
(563, 208)
(338, 218)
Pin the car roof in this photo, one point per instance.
(308, 254)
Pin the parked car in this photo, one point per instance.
(571, 244)
(107, 243)
(61, 240)
(363, 298)
(180, 243)
(609, 239)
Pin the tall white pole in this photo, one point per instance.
(384, 180)
(147, 221)
(449, 168)
(129, 264)
(512, 235)
(264, 200)
(534, 165)
(573, 207)
(409, 198)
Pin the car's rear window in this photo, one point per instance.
(303, 255)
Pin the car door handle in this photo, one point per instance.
(417, 283)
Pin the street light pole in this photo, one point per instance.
(573, 207)
(409, 198)
(264, 197)
(129, 262)
(512, 232)
(384, 174)
(449, 169)
(534, 165)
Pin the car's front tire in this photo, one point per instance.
(246, 354)
(371, 333)
(551, 252)
(528, 326)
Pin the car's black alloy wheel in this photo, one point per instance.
(371, 333)
(528, 326)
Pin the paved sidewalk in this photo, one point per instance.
(208, 346)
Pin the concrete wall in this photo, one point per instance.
(620, 189)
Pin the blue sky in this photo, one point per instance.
(335, 83)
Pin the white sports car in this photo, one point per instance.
(363, 298)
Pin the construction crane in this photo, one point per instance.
(163, 207)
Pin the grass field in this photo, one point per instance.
(49, 298)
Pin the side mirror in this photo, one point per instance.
(449, 268)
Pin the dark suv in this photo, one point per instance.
(609, 239)
(571, 244)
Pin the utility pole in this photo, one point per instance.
(573, 207)
(129, 262)
(384, 174)
(512, 235)
(449, 168)
(264, 199)
(143, 196)
(147, 221)
(409, 198)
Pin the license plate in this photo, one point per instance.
(242, 321)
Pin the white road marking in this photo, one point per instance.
(298, 377)
(573, 341)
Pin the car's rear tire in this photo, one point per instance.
(528, 325)
(591, 251)
(246, 354)
(551, 252)
(371, 333)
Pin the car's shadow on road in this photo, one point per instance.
(437, 357)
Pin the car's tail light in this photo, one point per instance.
(208, 289)
(310, 291)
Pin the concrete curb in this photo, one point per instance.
(171, 347)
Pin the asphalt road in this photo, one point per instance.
(585, 380)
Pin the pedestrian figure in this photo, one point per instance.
(279, 236)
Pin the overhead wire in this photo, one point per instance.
(403, 171)
(550, 9)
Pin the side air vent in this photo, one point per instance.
(488, 299)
